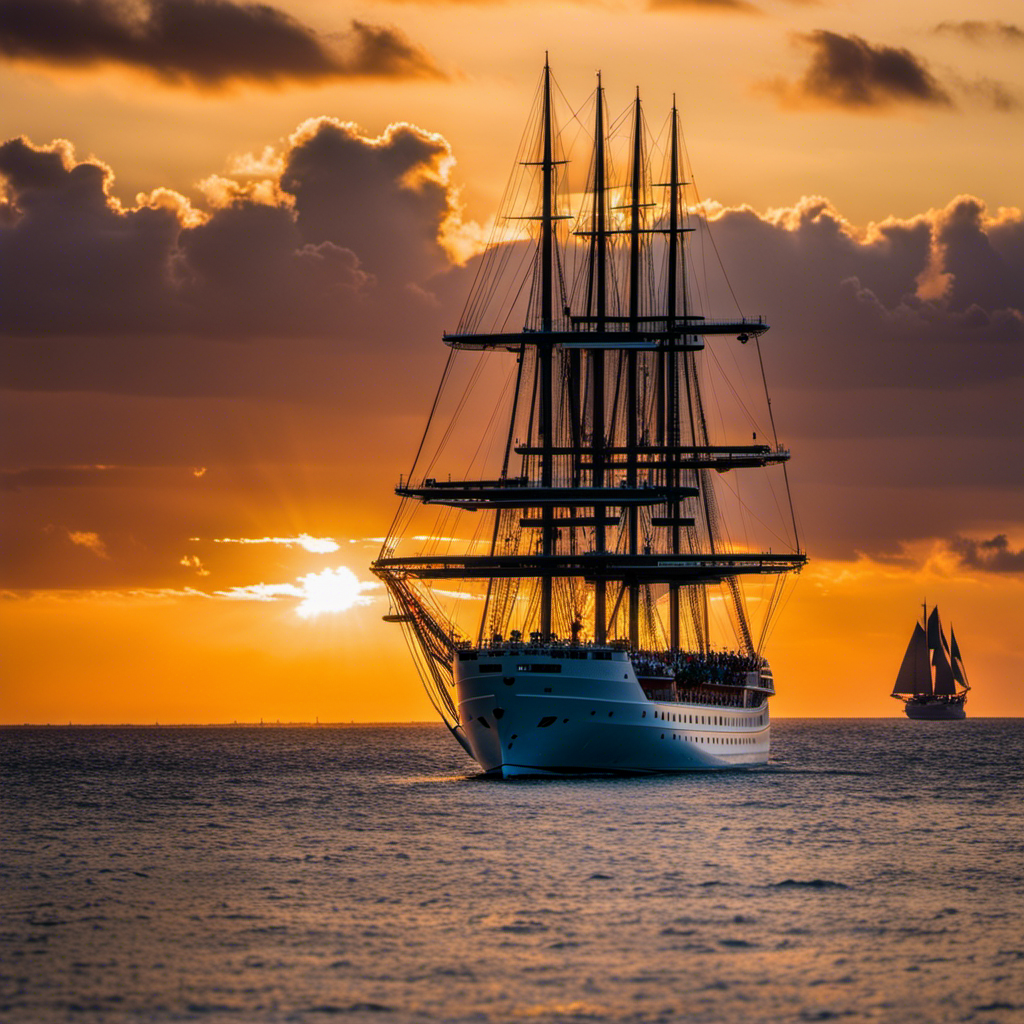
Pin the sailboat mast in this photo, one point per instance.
(631, 361)
(544, 350)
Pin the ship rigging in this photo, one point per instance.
(599, 527)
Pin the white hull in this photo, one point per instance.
(537, 712)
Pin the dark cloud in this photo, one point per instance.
(993, 555)
(739, 6)
(850, 73)
(981, 31)
(720, 6)
(896, 363)
(375, 51)
(317, 246)
(403, 195)
(990, 92)
(204, 43)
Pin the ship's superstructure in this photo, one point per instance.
(932, 681)
(574, 626)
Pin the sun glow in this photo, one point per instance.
(332, 590)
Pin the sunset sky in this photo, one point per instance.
(230, 240)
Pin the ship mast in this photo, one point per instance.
(633, 513)
(549, 532)
(597, 290)
(669, 400)
(572, 518)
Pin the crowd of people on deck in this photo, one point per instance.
(724, 668)
(677, 670)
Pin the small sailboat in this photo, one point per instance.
(932, 682)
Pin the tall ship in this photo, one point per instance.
(932, 681)
(568, 583)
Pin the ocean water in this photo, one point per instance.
(873, 871)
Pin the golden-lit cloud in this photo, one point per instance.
(314, 545)
(203, 43)
(193, 562)
(90, 540)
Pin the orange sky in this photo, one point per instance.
(247, 350)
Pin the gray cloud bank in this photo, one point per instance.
(313, 289)
(203, 43)
(342, 220)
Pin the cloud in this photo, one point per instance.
(709, 6)
(896, 363)
(982, 31)
(849, 73)
(374, 51)
(347, 220)
(202, 43)
(315, 545)
(193, 562)
(89, 540)
(989, 92)
(993, 555)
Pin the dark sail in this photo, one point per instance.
(945, 685)
(935, 637)
(914, 675)
(959, 673)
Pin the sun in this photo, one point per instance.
(332, 590)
